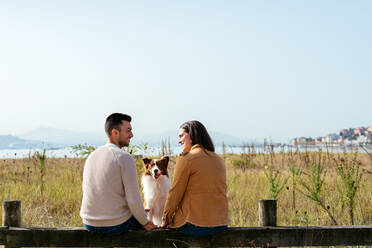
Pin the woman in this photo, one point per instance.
(197, 202)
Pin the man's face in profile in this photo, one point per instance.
(125, 134)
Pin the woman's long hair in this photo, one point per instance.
(198, 134)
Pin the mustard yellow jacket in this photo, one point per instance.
(198, 191)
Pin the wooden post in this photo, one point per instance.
(11, 214)
(267, 212)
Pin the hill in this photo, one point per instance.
(14, 142)
(64, 137)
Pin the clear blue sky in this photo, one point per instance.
(255, 69)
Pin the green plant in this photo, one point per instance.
(275, 179)
(82, 151)
(132, 149)
(239, 164)
(276, 182)
(295, 175)
(144, 148)
(313, 188)
(244, 162)
(350, 174)
(40, 157)
(245, 159)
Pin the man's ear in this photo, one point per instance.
(146, 161)
(114, 132)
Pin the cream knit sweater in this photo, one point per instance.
(110, 188)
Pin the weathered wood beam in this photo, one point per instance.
(233, 237)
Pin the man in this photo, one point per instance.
(112, 203)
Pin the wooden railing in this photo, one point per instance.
(267, 236)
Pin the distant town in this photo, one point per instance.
(350, 136)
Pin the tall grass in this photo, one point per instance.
(59, 205)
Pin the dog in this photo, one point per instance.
(155, 184)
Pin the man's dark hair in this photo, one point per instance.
(114, 121)
(198, 134)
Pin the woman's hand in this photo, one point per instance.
(149, 226)
(164, 224)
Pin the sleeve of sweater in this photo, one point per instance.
(134, 199)
(179, 183)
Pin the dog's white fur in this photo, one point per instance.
(155, 193)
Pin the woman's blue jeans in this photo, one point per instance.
(129, 225)
(199, 231)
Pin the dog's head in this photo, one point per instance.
(157, 167)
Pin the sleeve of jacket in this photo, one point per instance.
(179, 183)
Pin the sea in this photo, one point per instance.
(68, 152)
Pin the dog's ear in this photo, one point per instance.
(146, 161)
(165, 159)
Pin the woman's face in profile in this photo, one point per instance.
(184, 140)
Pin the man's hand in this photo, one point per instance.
(149, 226)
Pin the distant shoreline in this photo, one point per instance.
(156, 151)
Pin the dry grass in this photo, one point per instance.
(59, 204)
